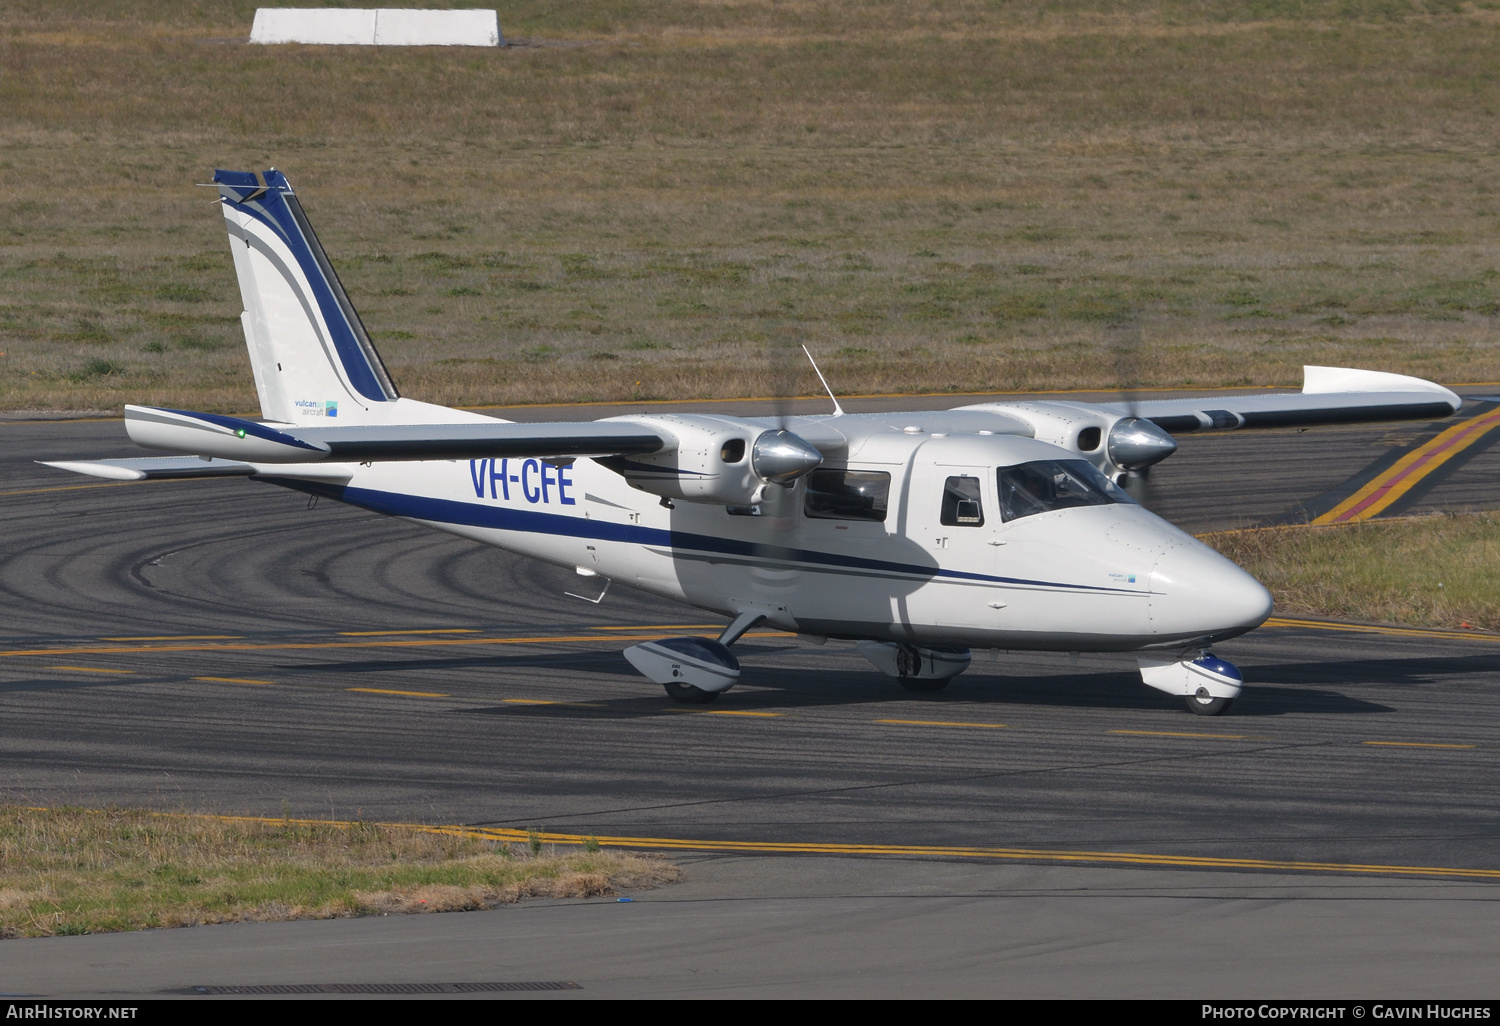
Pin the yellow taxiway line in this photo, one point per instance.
(552, 701)
(944, 723)
(417, 643)
(666, 627)
(1396, 481)
(511, 835)
(1414, 744)
(437, 630)
(99, 484)
(1173, 733)
(1361, 628)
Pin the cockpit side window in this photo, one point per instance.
(961, 503)
(847, 495)
(1046, 485)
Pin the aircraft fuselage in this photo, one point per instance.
(1104, 577)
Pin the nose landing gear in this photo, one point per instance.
(1208, 684)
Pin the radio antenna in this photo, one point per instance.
(838, 411)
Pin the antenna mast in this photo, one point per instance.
(838, 411)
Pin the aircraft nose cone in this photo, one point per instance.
(782, 457)
(1197, 593)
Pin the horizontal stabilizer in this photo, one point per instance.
(234, 438)
(150, 468)
(209, 434)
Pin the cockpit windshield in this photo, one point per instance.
(1045, 485)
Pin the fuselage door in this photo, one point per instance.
(950, 511)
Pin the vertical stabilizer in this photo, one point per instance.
(311, 355)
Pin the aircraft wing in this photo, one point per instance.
(234, 438)
(1330, 395)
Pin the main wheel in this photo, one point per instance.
(924, 683)
(1205, 704)
(689, 694)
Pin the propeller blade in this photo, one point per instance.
(1135, 444)
(786, 374)
(1137, 485)
(1126, 343)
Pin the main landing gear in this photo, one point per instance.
(694, 671)
(1208, 684)
(916, 668)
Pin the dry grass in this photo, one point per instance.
(70, 871)
(1437, 571)
(935, 196)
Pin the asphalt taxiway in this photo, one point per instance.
(219, 646)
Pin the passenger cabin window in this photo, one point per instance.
(847, 495)
(961, 505)
(1045, 485)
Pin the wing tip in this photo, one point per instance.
(1318, 380)
(96, 469)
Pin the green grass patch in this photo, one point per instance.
(72, 871)
(1435, 571)
(97, 368)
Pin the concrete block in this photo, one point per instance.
(376, 27)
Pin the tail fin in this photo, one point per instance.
(311, 354)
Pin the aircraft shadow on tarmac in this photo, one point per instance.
(1275, 689)
(768, 690)
(583, 662)
(57, 685)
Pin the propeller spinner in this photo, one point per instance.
(781, 457)
(1135, 443)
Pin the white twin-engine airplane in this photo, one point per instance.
(919, 536)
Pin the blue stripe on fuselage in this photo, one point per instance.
(501, 518)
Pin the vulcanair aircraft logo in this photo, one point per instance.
(314, 408)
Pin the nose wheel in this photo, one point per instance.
(1204, 704)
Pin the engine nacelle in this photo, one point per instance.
(721, 460)
(1075, 426)
(1115, 444)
